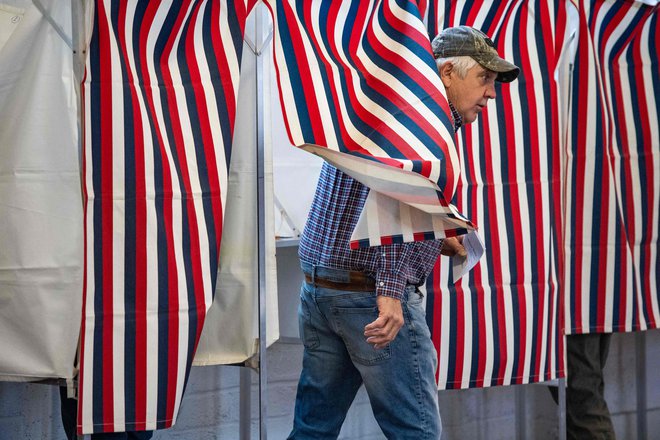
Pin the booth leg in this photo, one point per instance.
(245, 404)
(640, 367)
(561, 408)
(521, 413)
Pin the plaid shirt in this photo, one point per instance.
(337, 205)
(325, 241)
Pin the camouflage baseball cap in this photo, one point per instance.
(467, 41)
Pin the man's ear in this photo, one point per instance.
(446, 71)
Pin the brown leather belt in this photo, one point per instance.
(359, 282)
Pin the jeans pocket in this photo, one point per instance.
(310, 338)
(415, 297)
(350, 323)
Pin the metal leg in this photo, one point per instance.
(245, 404)
(261, 209)
(640, 367)
(521, 413)
(561, 408)
(79, 40)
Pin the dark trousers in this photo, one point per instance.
(69, 410)
(587, 415)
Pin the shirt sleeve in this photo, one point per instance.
(390, 279)
(398, 262)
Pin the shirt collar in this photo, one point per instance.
(458, 120)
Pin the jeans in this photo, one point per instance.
(399, 379)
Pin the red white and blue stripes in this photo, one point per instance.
(359, 87)
(612, 197)
(159, 102)
(501, 324)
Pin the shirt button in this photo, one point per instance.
(381, 283)
(383, 254)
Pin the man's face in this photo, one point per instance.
(470, 95)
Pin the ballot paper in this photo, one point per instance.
(475, 249)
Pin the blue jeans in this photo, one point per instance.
(399, 379)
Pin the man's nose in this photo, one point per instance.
(491, 93)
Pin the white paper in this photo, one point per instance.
(475, 249)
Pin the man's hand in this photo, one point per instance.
(390, 319)
(453, 246)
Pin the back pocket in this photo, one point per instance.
(307, 331)
(350, 323)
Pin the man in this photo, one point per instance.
(361, 315)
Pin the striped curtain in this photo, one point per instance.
(359, 87)
(501, 324)
(612, 197)
(159, 101)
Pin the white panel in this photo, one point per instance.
(231, 328)
(40, 200)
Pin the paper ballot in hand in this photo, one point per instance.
(474, 248)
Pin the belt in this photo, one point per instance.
(358, 282)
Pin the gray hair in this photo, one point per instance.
(461, 64)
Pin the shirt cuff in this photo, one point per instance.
(390, 285)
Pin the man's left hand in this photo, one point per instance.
(452, 246)
(390, 319)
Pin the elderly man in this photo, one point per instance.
(361, 315)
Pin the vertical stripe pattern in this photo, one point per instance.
(500, 324)
(612, 200)
(359, 87)
(159, 101)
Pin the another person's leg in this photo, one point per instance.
(69, 412)
(587, 415)
(328, 381)
(400, 379)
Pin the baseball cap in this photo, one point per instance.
(467, 41)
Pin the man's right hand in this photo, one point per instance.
(390, 320)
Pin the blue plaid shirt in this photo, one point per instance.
(325, 241)
(335, 211)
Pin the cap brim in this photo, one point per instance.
(506, 71)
